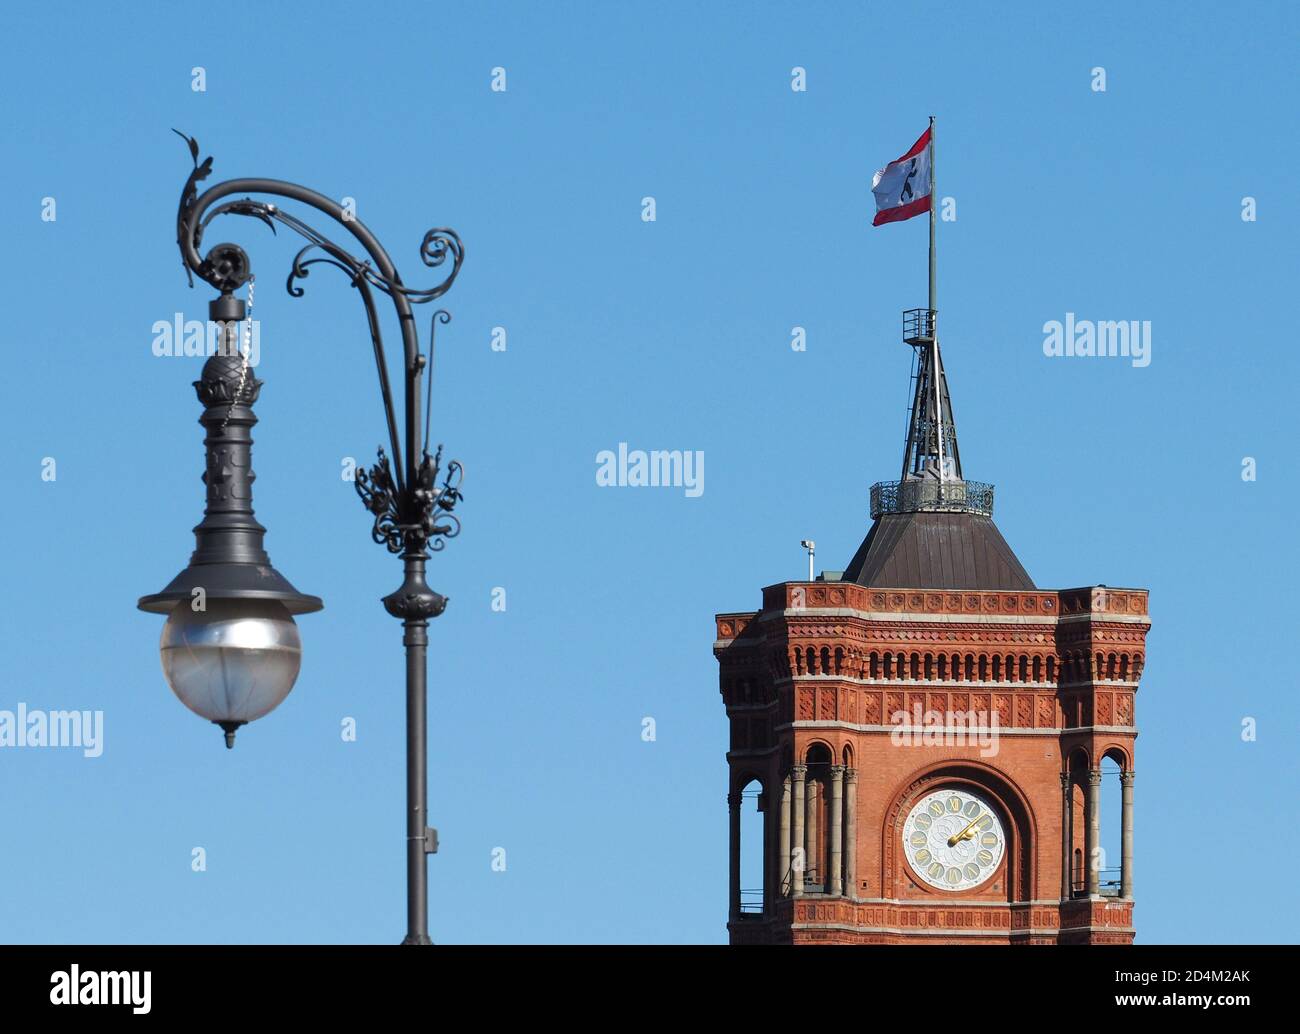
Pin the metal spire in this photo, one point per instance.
(931, 447)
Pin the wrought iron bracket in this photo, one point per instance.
(412, 510)
(417, 520)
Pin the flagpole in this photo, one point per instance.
(933, 187)
(934, 330)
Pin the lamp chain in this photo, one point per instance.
(244, 354)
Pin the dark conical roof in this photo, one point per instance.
(933, 529)
(936, 550)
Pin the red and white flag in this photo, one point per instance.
(903, 187)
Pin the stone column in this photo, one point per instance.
(812, 856)
(797, 864)
(1126, 843)
(733, 807)
(834, 880)
(851, 832)
(1067, 815)
(1094, 832)
(783, 844)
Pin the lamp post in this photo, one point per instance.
(230, 648)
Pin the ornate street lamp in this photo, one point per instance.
(230, 647)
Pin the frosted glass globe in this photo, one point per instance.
(234, 661)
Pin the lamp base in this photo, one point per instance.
(229, 729)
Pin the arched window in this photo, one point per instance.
(752, 869)
(816, 817)
(1112, 823)
(1077, 832)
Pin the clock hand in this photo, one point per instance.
(966, 833)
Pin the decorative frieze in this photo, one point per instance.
(1091, 600)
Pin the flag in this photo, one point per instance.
(903, 187)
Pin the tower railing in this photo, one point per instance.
(751, 901)
(918, 326)
(922, 494)
(1108, 883)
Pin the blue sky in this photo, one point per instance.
(667, 335)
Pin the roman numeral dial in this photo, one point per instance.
(953, 839)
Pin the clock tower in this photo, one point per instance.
(926, 732)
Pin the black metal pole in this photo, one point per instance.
(416, 641)
(415, 603)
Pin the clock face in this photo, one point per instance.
(953, 839)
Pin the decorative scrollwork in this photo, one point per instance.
(412, 511)
(426, 520)
(439, 243)
(189, 193)
(434, 502)
(380, 495)
(299, 268)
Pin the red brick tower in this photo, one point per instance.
(927, 729)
